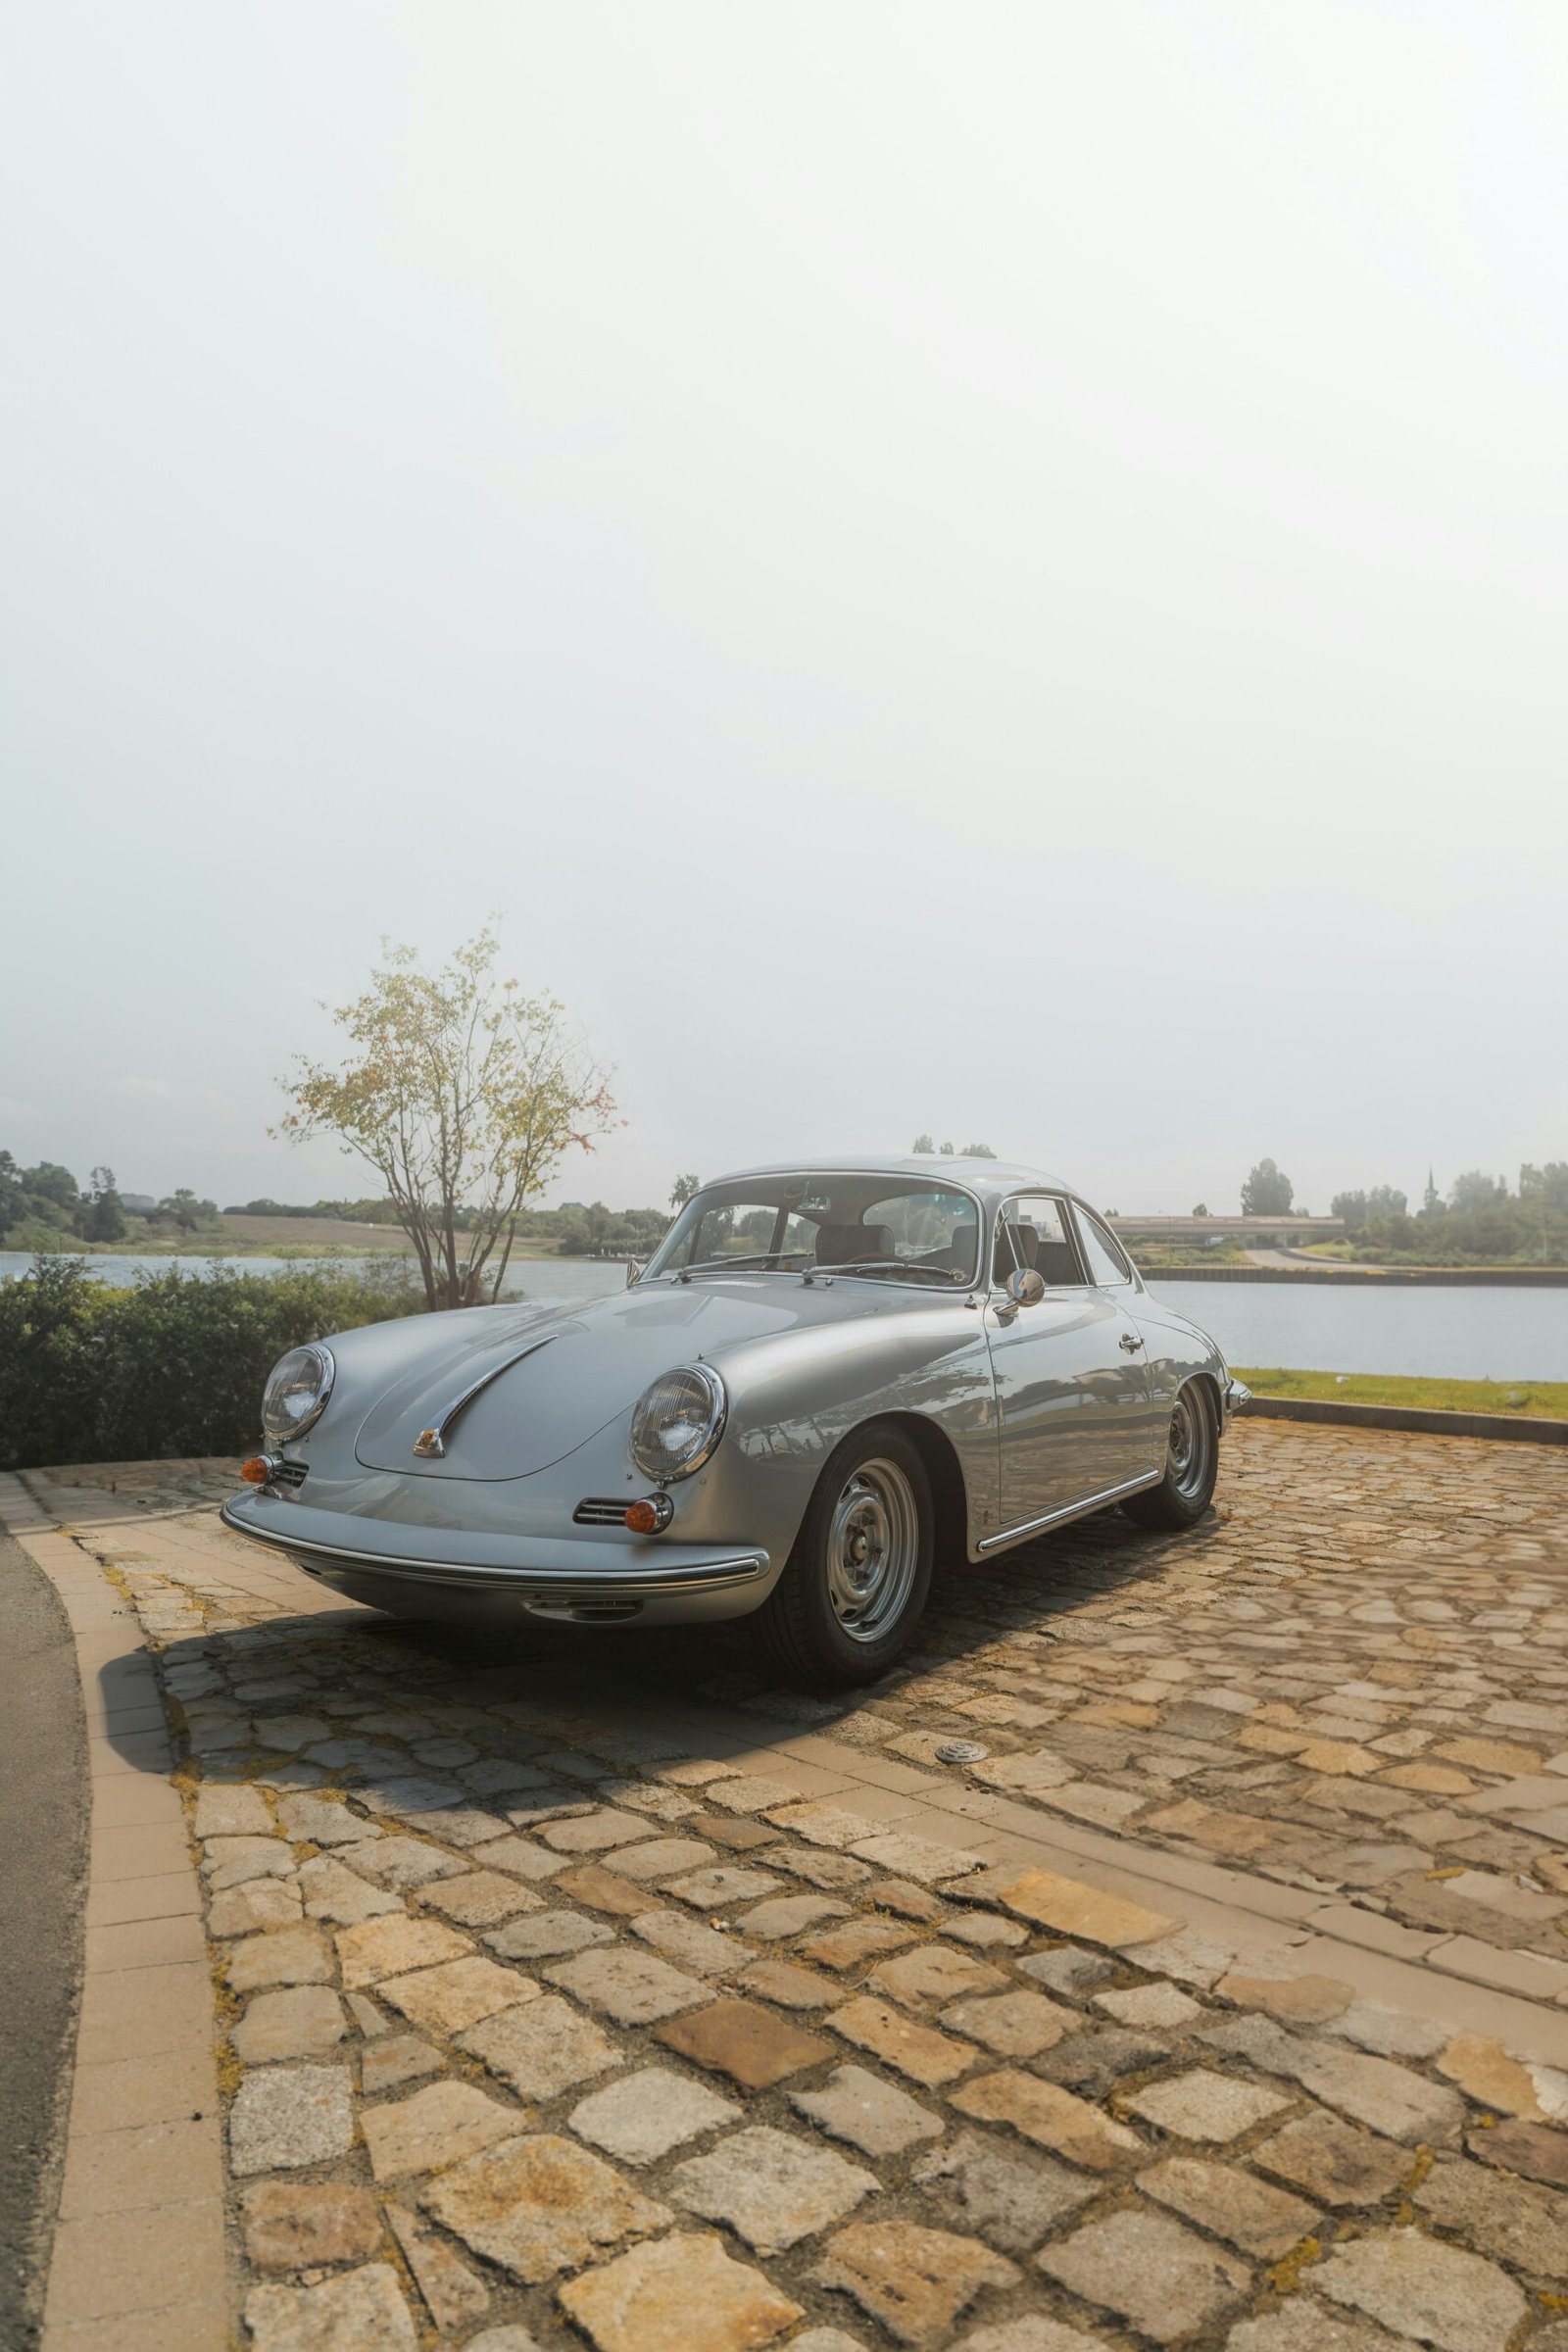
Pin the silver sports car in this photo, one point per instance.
(832, 1376)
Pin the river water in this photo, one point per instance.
(1458, 1332)
(1463, 1332)
(560, 1277)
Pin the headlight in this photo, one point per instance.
(297, 1389)
(679, 1422)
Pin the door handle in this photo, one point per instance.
(1128, 1341)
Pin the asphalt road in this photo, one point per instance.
(43, 1851)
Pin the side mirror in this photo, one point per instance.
(633, 1272)
(1024, 1287)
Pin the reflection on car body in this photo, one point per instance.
(830, 1376)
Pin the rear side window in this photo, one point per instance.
(1032, 1233)
(1107, 1265)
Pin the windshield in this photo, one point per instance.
(888, 1228)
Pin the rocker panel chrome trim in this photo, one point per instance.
(1072, 1510)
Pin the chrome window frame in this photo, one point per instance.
(1065, 1201)
(897, 1180)
(1130, 1280)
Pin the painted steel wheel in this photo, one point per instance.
(1192, 1464)
(857, 1582)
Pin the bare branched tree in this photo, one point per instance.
(465, 1096)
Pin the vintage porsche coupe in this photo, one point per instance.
(831, 1376)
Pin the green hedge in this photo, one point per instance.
(175, 1366)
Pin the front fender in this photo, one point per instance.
(793, 1404)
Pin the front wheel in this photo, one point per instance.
(1191, 1465)
(854, 1586)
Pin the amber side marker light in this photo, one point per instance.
(650, 1516)
(256, 1471)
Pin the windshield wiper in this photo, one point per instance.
(767, 1259)
(899, 1265)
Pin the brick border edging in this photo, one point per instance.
(1427, 1421)
(139, 2262)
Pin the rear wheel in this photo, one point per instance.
(1191, 1465)
(855, 1584)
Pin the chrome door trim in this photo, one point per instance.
(1072, 1510)
(431, 1443)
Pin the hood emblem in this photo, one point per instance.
(430, 1444)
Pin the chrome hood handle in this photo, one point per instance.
(431, 1443)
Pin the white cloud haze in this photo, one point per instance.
(995, 568)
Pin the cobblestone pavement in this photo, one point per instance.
(553, 2013)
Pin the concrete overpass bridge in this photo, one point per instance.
(1252, 1233)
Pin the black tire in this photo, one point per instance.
(1192, 1464)
(855, 1585)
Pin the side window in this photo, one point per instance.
(1032, 1232)
(1107, 1265)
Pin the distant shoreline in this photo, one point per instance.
(360, 1246)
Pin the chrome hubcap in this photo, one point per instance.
(873, 1550)
(1188, 1446)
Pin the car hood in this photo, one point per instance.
(582, 1369)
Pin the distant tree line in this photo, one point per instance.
(43, 1207)
(596, 1230)
(1478, 1218)
(348, 1212)
(577, 1230)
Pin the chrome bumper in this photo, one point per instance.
(534, 1569)
(1236, 1395)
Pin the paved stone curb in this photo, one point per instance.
(138, 2261)
(1513, 1428)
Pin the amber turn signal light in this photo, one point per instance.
(256, 1471)
(650, 1516)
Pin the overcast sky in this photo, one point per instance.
(995, 568)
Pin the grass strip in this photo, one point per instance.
(1539, 1399)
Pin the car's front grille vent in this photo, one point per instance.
(600, 1511)
(291, 1474)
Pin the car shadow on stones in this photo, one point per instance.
(971, 1602)
(598, 1668)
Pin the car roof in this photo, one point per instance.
(992, 1179)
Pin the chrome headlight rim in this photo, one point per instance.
(662, 1468)
(273, 1423)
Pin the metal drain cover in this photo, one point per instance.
(961, 1752)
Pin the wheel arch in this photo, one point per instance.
(1206, 1380)
(949, 1496)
